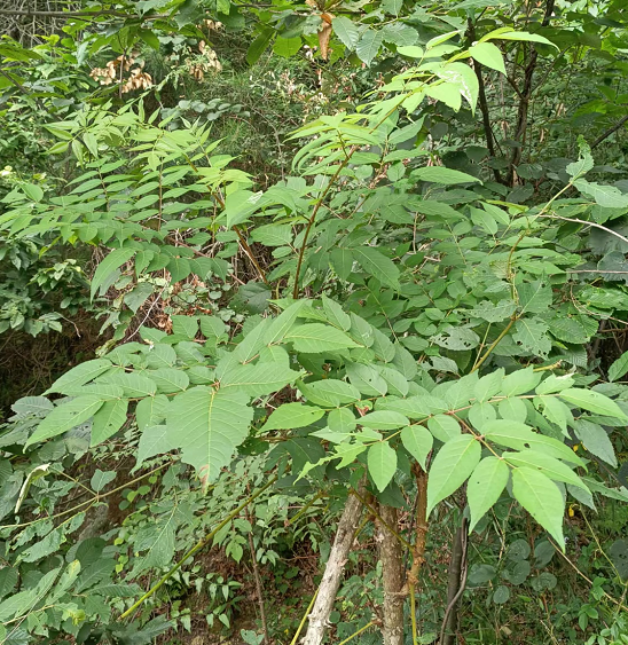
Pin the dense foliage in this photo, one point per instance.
(313, 320)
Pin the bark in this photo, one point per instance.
(455, 586)
(393, 574)
(319, 617)
(525, 97)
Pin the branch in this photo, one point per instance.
(199, 545)
(610, 131)
(486, 121)
(28, 13)
(525, 96)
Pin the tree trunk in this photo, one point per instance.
(455, 585)
(319, 617)
(393, 573)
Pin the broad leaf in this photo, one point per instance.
(418, 442)
(485, 487)
(541, 497)
(592, 401)
(208, 426)
(453, 464)
(65, 417)
(382, 464)
(293, 415)
(316, 338)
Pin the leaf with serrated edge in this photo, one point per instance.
(208, 426)
(455, 461)
(485, 487)
(541, 497)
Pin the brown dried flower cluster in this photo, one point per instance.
(210, 64)
(113, 72)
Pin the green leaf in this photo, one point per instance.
(155, 440)
(108, 420)
(287, 47)
(605, 196)
(259, 379)
(208, 426)
(108, 266)
(169, 380)
(382, 464)
(384, 420)
(443, 427)
(240, 205)
(418, 442)
(488, 386)
(592, 401)
(151, 411)
(619, 368)
(367, 379)
(411, 51)
(485, 487)
(541, 497)
(453, 464)
(441, 175)
(346, 31)
(259, 45)
(293, 415)
(135, 385)
(65, 417)
(186, 326)
(488, 55)
(80, 375)
(330, 393)
(335, 314)
(100, 479)
(519, 436)
(596, 440)
(281, 325)
(369, 45)
(378, 265)
(317, 338)
(549, 466)
(518, 35)
(531, 335)
(520, 382)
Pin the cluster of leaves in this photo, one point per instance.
(444, 326)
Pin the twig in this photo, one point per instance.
(197, 547)
(610, 131)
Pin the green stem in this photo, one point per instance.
(197, 547)
(362, 629)
(305, 615)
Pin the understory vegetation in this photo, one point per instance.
(314, 322)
